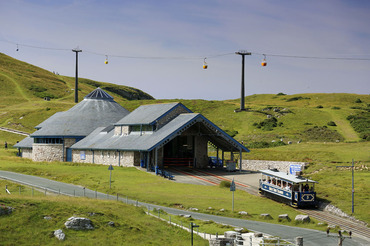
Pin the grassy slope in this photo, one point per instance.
(21, 109)
(27, 226)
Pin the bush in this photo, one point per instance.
(331, 123)
(232, 133)
(225, 184)
(319, 106)
(361, 124)
(358, 100)
(281, 94)
(267, 124)
(335, 107)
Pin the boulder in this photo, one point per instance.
(111, 223)
(222, 210)
(230, 234)
(187, 216)
(266, 216)
(5, 210)
(258, 234)
(79, 223)
(47, 218)
(284, 217)
(60, 234)
(243, 213)
(303, 218)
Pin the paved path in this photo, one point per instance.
(310, 237)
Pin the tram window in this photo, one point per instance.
(274, 181)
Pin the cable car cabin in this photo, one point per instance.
(294, 190)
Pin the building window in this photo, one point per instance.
(48, 140)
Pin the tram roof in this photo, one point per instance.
(287, 177)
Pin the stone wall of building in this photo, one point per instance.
(47, 152)
(26, 153)
(283, 166)
(117, 130)
(112, 157)
(201, 150)
(171, 115)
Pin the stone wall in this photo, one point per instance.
(47, 152)
(112, 157)
(283, 166)
(171, 115)
(26, 153)
(200, 151)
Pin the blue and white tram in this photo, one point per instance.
(294, 190)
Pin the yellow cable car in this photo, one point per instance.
(205, 66)
(106, 60)
(264, 62)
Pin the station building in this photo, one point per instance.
(98, 130)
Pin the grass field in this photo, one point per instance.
(149, 188)
(27, 226)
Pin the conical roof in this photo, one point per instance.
(98, 109)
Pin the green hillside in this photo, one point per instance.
(324, 129)
(23, 88)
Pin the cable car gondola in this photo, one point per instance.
(264, 62)
(205, 66)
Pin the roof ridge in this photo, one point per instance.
(99, 93)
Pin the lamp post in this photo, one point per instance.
(77, 50)
(243, 53)
(353, 185)
(110, 168)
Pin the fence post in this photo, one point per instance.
(96, 194)
(45, 191)
(137, 203)
(32, 191)
(170, 220)
(74, 192)
(126, 199)
(117, 196)
(159, 213)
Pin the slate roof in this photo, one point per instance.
(149, 114)
(24, 143)
(134, 142)
(97, 109)
(287, 177)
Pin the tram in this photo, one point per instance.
(294, 190)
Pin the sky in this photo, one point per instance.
(159, 46)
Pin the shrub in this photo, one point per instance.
(361, 124)
(232, 133)
(281, 94)
(225, 184)
(319, 106)
(331, 123)
(322, 133)
(335, 107)
(358, 100)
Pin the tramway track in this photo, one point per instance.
(343, 223)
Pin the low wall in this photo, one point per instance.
(282, 166)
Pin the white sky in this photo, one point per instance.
(191, 30)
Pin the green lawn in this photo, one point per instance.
(27, 226)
